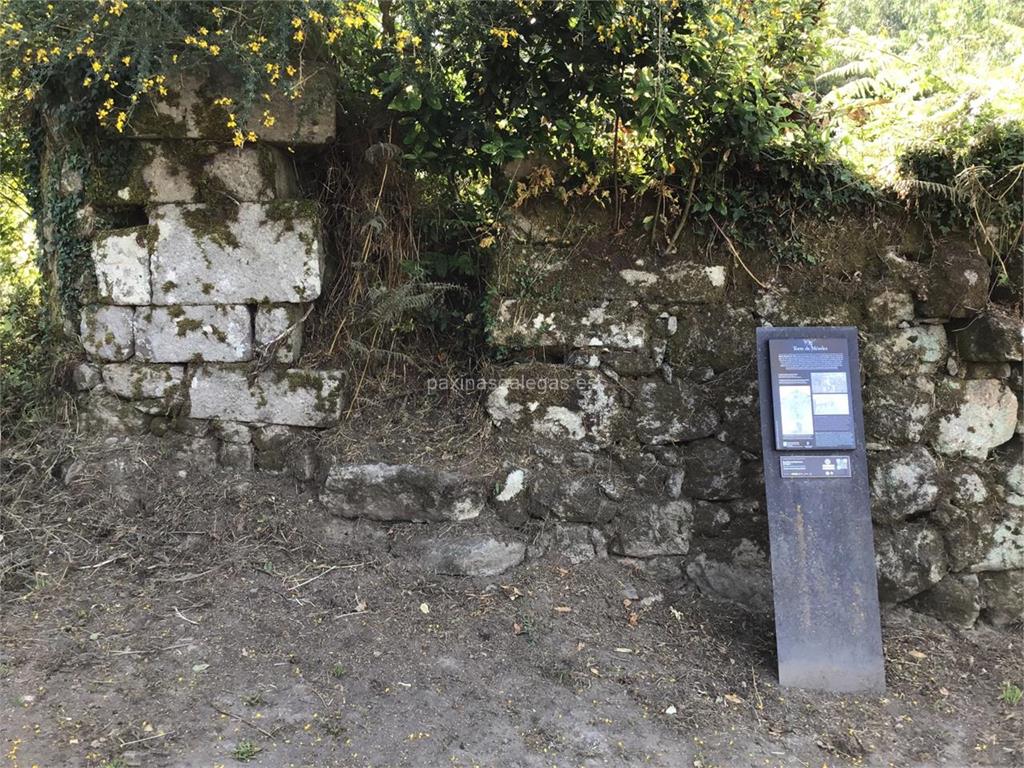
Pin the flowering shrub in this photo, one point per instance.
(644, 90)
(103, 57)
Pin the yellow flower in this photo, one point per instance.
(238, 139)
(296, 22)
(29, 94)
(268, 119)
(299, 36)
(96, 66)
(290, 70)
(214, 50)
(251, 136)
(87, 82)
(126, 60)
(504, 35)
(122, 118)
(232, 123)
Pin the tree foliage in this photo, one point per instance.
(666, 96)
(927, 98)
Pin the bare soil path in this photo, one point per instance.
(227, 622)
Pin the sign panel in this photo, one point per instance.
(815, 466)
(811, 393)
(827, 625)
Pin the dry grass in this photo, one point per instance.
(70, 503)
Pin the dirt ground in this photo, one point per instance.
(214, 620)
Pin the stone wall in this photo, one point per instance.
(635, 389)
(194, 302)
(628, 414)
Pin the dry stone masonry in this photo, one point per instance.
(628, 398)
(646, 432)
(197, 305)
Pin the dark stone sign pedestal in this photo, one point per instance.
(816, 481)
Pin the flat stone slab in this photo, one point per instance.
(134, 381)
(474, 555)
(121, 260)
(609, 324)
(188, 112)
(401, 492)
(295, 397)
(108, 333)
(155, 172)
(252, 253)
(193, 333)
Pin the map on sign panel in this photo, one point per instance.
(811, 393)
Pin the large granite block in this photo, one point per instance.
(249, 253)
(294, 397)
(134, 381)
(108, 333)
(191, 333)
(121, 259)
(404, 492)
(188, 111)
(183, 171)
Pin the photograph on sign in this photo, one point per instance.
(828, 381)
(831, 405)
(797, 413)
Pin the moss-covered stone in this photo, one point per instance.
(296, 397)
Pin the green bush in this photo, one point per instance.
(670, 99)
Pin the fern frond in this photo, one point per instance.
(861, 88)
(906, 187)
(857, 68)
(379, 354)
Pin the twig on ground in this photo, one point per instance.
(147, 738)
(239, 718)
(313, 578)
(183, 617)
